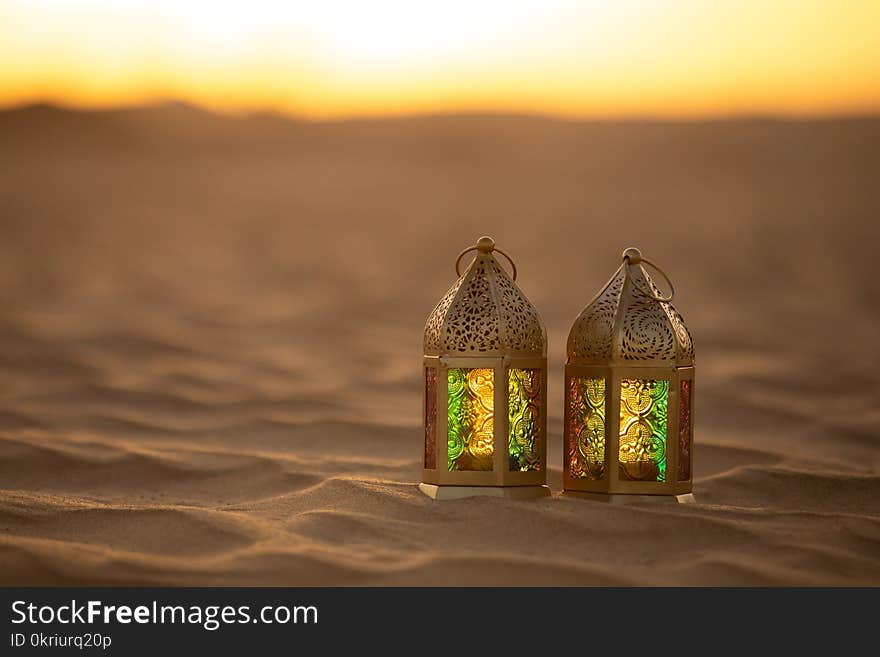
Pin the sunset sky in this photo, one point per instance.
(334, 58)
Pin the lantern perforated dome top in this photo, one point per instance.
(630, 322)
(485, 313)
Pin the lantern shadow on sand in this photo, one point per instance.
(485, 386)
(629, 391)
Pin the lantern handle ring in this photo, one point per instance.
(475, 248)
(651, 294)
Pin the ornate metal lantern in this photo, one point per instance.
(485, 386)
(629, 392)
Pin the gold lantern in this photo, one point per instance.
(629, 393)
(485, 386)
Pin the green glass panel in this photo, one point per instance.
(642, 454)
(524, 402)
(586, 428)
(470, 418)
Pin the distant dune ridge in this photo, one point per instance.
(211, 326)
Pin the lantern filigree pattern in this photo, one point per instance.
(633, 346)
(524, 419)
(592, 335)
(487, 341)
(472, 323)
(643, 407)
(485, 313)
(471, 420)
(586, 435)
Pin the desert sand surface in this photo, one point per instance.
(211, 338)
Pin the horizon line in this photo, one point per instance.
(475, 111)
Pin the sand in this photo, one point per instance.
(210, 342)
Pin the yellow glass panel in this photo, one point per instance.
(643, 405)
(586, 428)
(470, 418)
(525, 406)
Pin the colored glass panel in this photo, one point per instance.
(643, 407)
(524, 419)
(684, 431)
(471, 420)
(586, 430)
(430, 418)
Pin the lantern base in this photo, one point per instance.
(687, 498)
(436, 492)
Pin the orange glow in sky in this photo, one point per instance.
(332, 58)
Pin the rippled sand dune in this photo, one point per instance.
(210, 338)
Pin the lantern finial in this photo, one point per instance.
(485, 244)
(633, 255)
